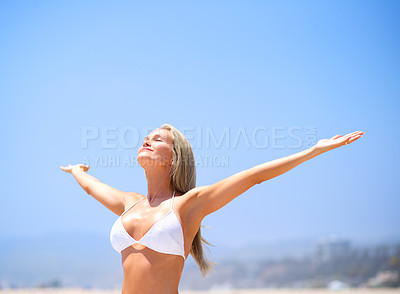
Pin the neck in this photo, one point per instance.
(158, 183)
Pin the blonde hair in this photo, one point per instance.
(183, 179)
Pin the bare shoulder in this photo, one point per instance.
(188, 199)
(198, 188)
(132, 197)
(192, 193)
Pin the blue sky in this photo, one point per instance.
(272, 68)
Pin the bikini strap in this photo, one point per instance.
(133, 205)
(172, 201)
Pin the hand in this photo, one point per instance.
(324, 145)
(69, 168)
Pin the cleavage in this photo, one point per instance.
(138, 222)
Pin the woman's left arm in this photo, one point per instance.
(213, 197)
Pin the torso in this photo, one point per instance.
(148, 271)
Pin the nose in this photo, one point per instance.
(146, 143)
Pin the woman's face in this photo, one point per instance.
(156, 149)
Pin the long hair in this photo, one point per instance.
(183, 179)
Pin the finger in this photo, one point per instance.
(351, 135)
(357, 136)
(335, 137)
(355, 133)
(354, 138)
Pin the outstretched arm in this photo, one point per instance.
(213, 197)
(271, 169)
(110, 197)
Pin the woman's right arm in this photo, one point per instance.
(110, 197)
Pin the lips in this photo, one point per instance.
(148, 149)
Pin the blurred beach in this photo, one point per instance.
(236, 291)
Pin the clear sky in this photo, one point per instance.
(273, 75)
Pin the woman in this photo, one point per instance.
(156, 233)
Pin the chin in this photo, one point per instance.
(147, 161)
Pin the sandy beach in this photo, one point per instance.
(238, 291)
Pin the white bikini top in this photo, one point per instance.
(165, 236)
